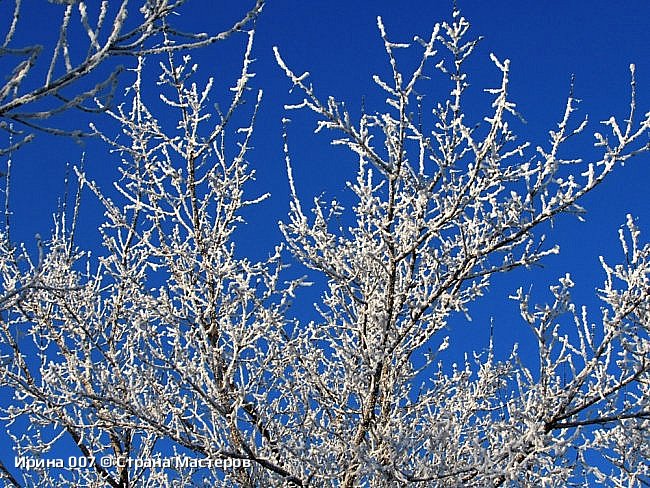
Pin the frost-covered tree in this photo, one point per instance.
(171, 343)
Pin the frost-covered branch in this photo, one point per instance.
(440, 207)
(111, 30)
(168, 337)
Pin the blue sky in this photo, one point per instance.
(547, 42)
(338, 42)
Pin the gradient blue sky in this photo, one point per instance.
(338, 42)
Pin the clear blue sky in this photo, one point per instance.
(338, 42)
(547, 42)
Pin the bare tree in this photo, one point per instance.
(42, 84)
(172, 346)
